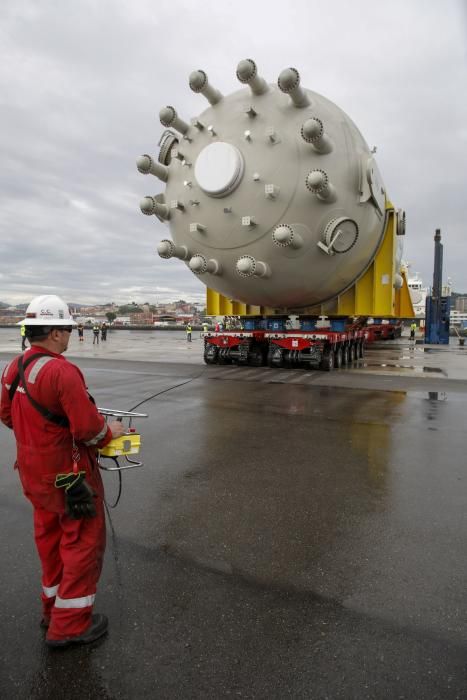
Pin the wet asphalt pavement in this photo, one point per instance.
(292, 535)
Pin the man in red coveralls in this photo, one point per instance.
(58, 430)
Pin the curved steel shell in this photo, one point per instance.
(291, 184)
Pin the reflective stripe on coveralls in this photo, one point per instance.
(5, 372)
(50, 591)
(98, 437)
(82, 602)
(38, 365)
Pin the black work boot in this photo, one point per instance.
(97, 629)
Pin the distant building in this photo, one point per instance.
(90, 320)
(163, 319)
(458, 318)
(141, 319)
(10, 320)
(181, 319)
(461, 304)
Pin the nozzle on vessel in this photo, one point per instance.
(248, 266)
(199, 82)
(199, 265)
(317, 182)
(167, 249)
(289, 82)
(149, 205)
(313, 133)
(247, 72)
(146, 165)
(284, 236)
(168, 117)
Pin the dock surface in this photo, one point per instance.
(292, 534)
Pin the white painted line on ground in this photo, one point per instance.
(221, 371)
(250, 372)
(299, 378)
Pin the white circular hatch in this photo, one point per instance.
(219, 169)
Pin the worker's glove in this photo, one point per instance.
(79, 496)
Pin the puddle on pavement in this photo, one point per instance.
(437, 396)
(433, 350)
(389, 365)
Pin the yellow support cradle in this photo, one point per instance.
(373, 294)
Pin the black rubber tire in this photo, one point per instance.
(210, 357)
(270, 361)
(288, 364)
(255, 357)
(338, 358)
(361, 349)
(327, 363)
(345, 355)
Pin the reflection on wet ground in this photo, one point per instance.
(399, 366)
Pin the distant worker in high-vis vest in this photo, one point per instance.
(23, 338)
(413, 328)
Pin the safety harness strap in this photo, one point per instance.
(15, 382)
(62, 421)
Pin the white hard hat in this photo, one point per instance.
(47, 310)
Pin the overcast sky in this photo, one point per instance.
(82, 82)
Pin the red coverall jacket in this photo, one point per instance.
(44, 449)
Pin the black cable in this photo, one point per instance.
(164, 391)
(114, 505)
(149, 398)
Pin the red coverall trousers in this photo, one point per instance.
(71, 551)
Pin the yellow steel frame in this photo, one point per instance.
(373, 294)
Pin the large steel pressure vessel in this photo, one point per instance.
(271, 194)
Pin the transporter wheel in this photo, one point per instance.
(345, 355)
(288, 359)
(353, 352)
(275, 357)
(223, 359)
(255, 356)
(210, 354)
(338, 358)
(327, 363)
(361, 349)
